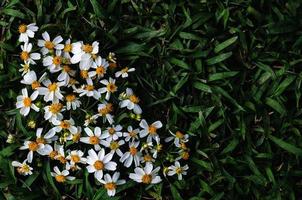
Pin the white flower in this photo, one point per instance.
(27, 31)
(91, 120)
(31, 79)
(131, 102)
(124, 72)
(150, 130)
(113, 133)
(46, 139)
(178, 138)
(110, 183)
(131, 134)
(67, 49)
(99, 162)
(100, 65)
(25, 68)
(33, 146)
(75, 157)
(48, 45)
(177, 169)
(53, 111)
(114, 146)
(52, 91)
(84, 67)
(109, 89)
(147, 158)
(61, 177)
(146, 175)
(157, 148)
(131, 154)
(72, 102)
(65, 74)
(28, 57)
(104, 111)
(75, 137)
(93, 138)
(26, 103)
(89, 90)
(64, 125)
(53, 63)
(23, 168)
(59, 154)
(84, 52)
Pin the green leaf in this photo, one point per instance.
(222, 75)
(286, 146)
(225, 44)
(219, 58)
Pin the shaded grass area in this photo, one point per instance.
(226, 72)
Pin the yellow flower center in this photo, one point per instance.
(33, 146)
(134, 99)
(76, 137)
(98, 165)
(55, 107)
(94, 140)
(53, 154)
(87, 48)
(114, 145)
(110, 186)
(52, 87)
(75, 158)
(66, 68)
(65, 124)
(132, 151)
(111, 87)
(56, 60)
(25, 168)
(152, 130)
(67, 48)
(100, 70)
(179, 170)
(147, 158)
(111, 131)
(185, 155)
(70, 97)
(159, 147)
(125, 70)
(35, 85)
(22, 28)
(179, 135)
(84, 74)
(49, 45)
(89, 87)
(24, 55)
(40, 140)
(60, 178)
(132, 134)
(27, 102)
(147, 178)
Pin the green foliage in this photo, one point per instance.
(226, 72)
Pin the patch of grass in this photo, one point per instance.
(226, 72)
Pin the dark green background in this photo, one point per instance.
(226, 72)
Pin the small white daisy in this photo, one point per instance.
(146, 175)
(93, 138)
(31, 79)
(177, 169)
(51, 91)
(178, 138)
(132, 154)
(150, 130)
(84, 52)
(124, 72)
(111, 183)
(104, 111)
(26, 103)
(64, 125)
(113, 133)
(27, 31)
(131, 102)
(109, 89)
(89, 90)
(53, 111)
(33, 146)
(53, 63)
(48, 45)
(61, 177)
(66, 74)
(72, 102)
(114, 146)
(100, 65)
(26, 54)
(131, 134)
(25, 68)
(76, 157)
(23, 168)
(99, 162)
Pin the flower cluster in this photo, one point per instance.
(89, 117)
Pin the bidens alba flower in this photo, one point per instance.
(131, 102)
(111, 183)
(109, 89)
(124, 72)
(99, 162)
(52, 91)
(150, 130)
(26, 103)
(93, 138)
(27, 31)
(177, 169)
(48, 45)
(28, 57)
(23, 168)
(61, 177)
(146, 175)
